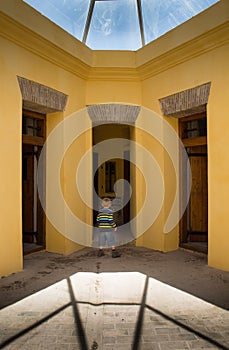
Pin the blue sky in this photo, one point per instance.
(115, 24)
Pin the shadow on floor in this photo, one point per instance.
(185, 270)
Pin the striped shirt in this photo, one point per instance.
(105, 220)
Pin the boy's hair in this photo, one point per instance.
(106, 201)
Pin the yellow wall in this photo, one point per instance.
(10, 180)
(72, 151)
(208, 67)
(152, 138)
(218, 162)
(17, 61)
(77, 189)
(180, 60)
(113, 91)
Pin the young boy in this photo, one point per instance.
(106, 226)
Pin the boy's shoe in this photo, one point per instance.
(100, 253)
(115, 254)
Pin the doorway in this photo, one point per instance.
(112, 170)
(33, 217)
(194, 223)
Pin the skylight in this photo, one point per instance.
(119, 24)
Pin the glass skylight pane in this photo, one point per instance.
(71, 15)
(160, 16)
(114, 26)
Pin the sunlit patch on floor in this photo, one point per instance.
(124, 310)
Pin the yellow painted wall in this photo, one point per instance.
(17, 61)
(10, 175)
(113, 91)
(78, 189)
(57, 230)
(218, 162)
(56, 241)
(148, 135)
(207, 67)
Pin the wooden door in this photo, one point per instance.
(198, 205)
(33, 139)
(194, 223)
(33, 217)
(28, 193)
(126, 209)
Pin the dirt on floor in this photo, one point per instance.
(182, 269)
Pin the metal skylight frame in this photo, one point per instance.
(140, 18)
(107, 29)
(90, 13)
(88, 22)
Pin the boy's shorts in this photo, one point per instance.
(108, 237)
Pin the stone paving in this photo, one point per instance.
(117, 310)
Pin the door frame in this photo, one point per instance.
(122, 167)
(199, 140)
(36, 141)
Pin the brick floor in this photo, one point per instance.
(159, 317)
(108, 307)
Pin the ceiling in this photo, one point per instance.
(119, 24)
